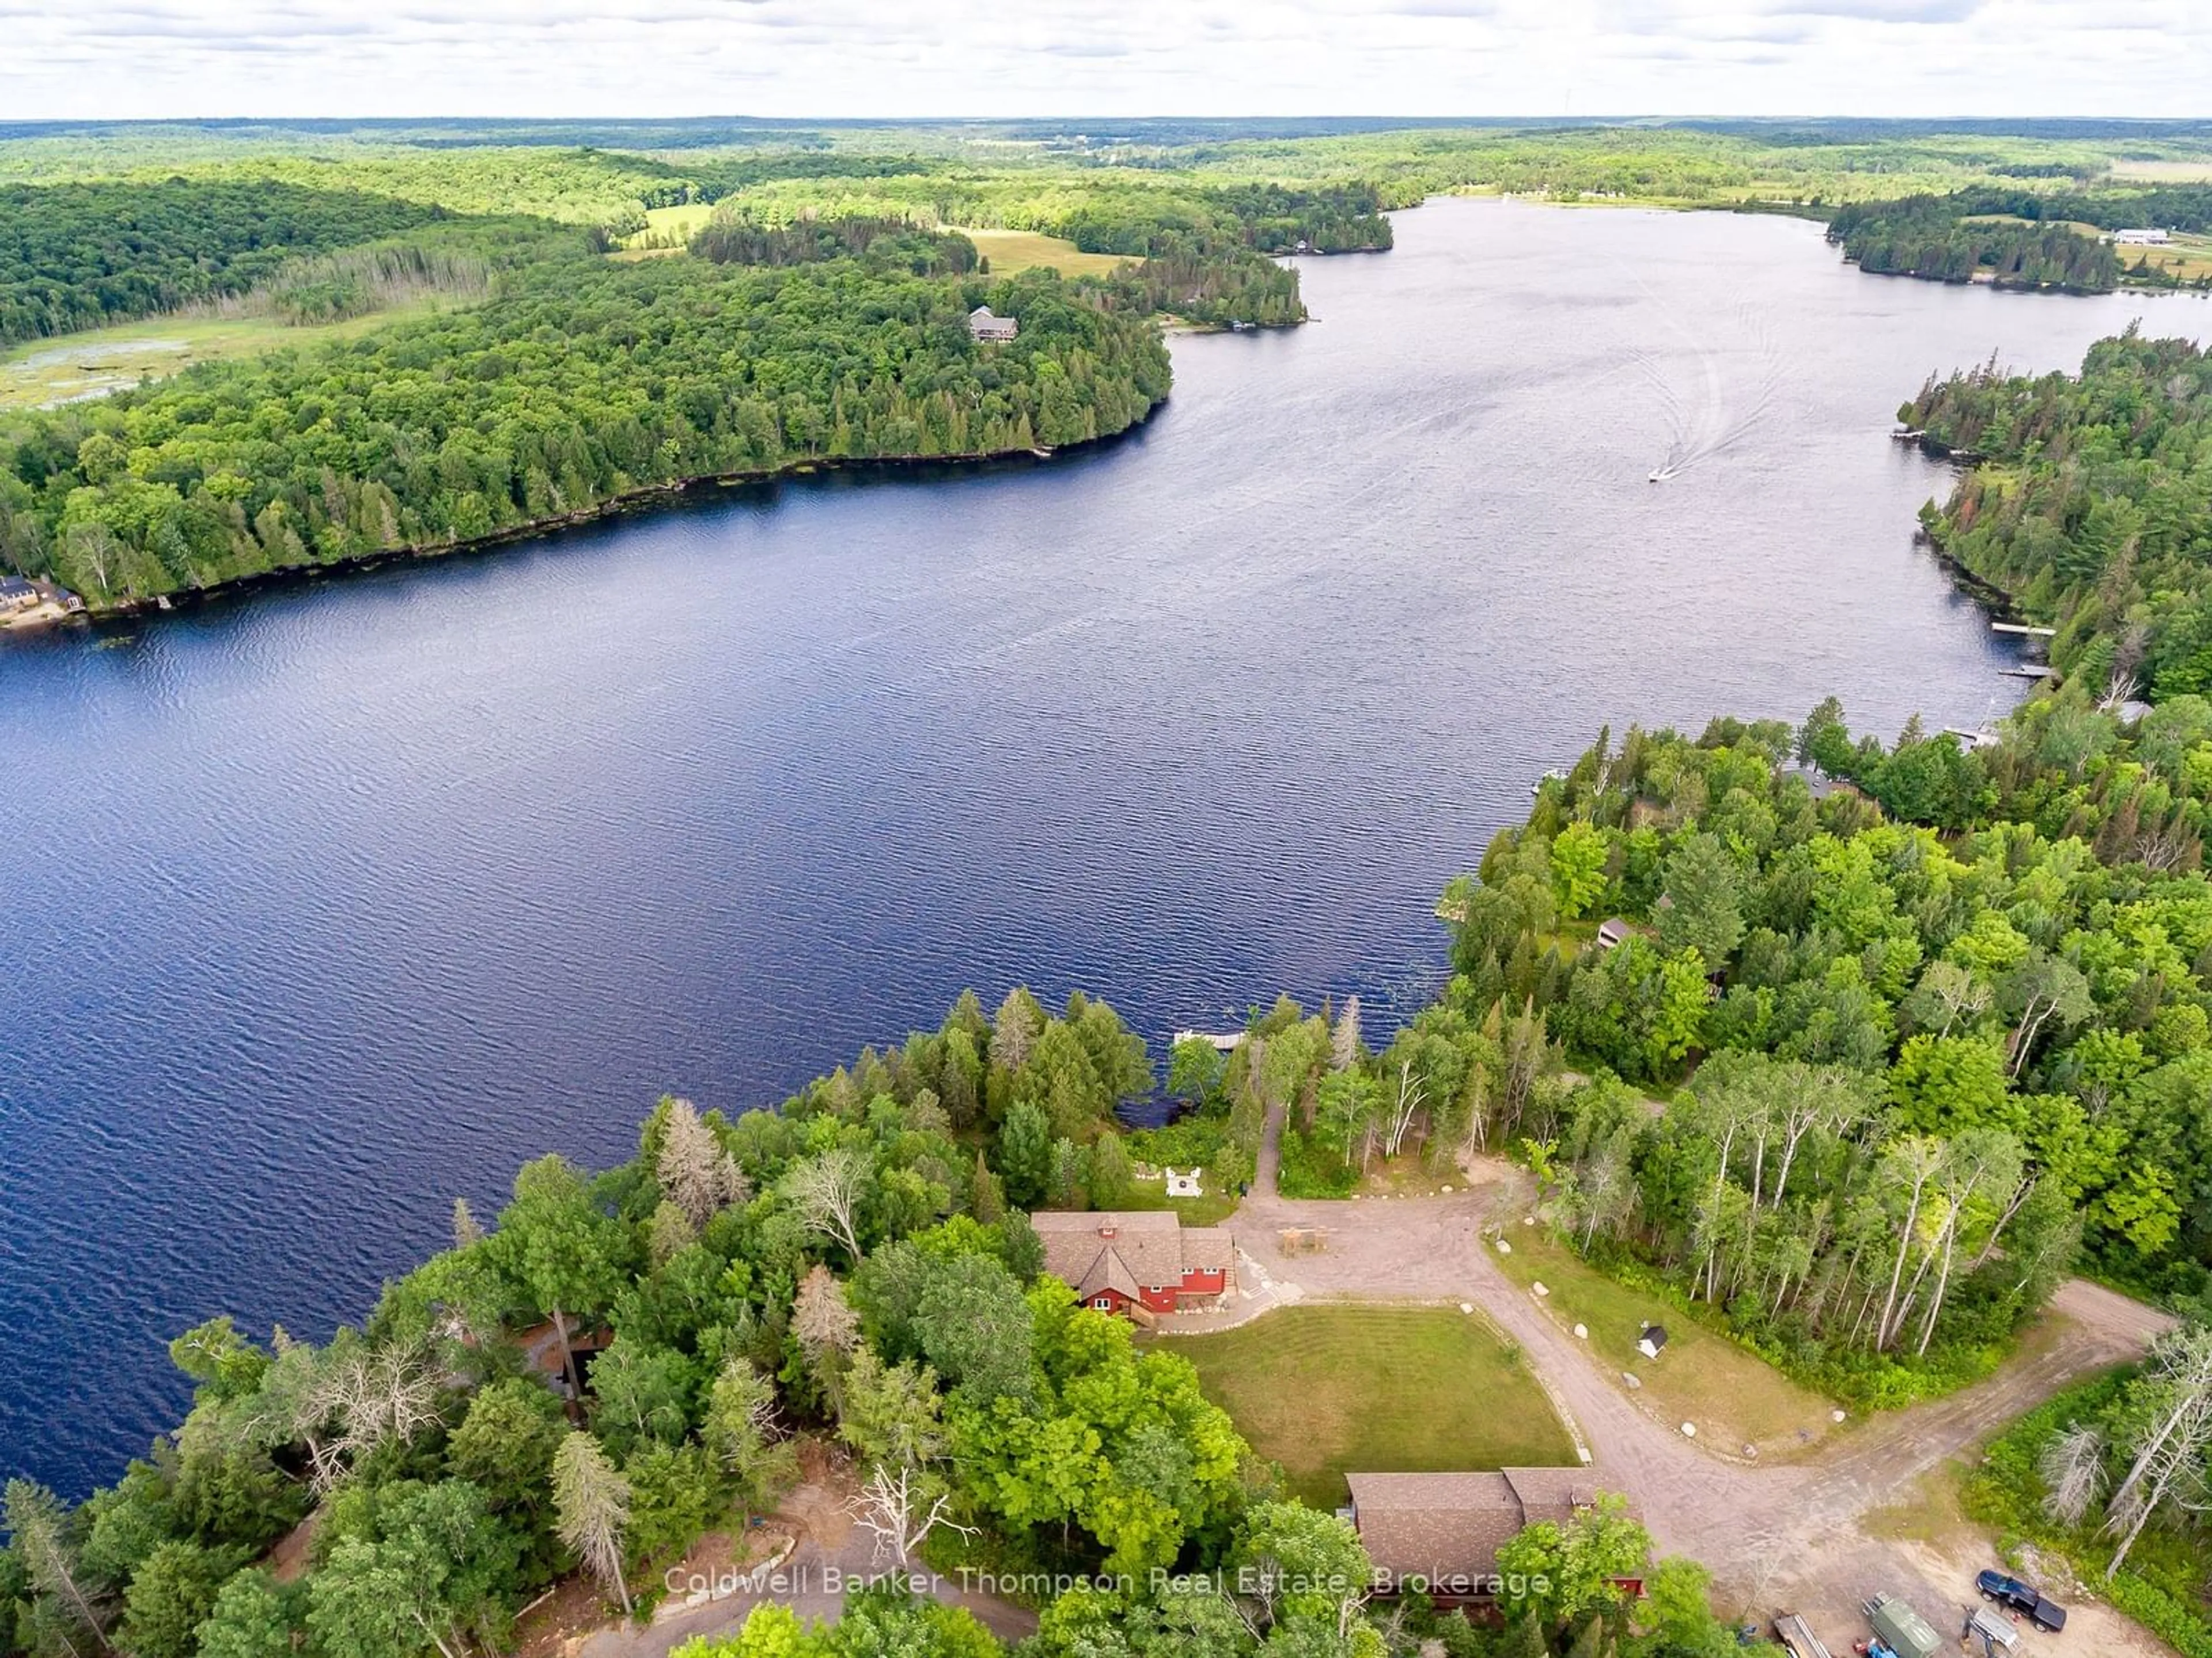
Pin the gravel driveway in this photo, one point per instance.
(1772, 1536)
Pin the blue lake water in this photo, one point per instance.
(333, 903)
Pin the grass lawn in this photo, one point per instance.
(41, 373)
(2188, 259)
(1327, 1390)
(2165, 173)
(667, 230)
(1216, 1207)
(1012, 252)
(1734, 1398)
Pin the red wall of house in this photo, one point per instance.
(1165, 1300)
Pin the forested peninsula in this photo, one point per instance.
(448, 334)
(579, 385)
(2088, 501)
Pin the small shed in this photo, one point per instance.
(1652, 1340)
(1613, 932)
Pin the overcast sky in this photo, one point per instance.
(139, 58)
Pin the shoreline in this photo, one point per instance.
(644, 498)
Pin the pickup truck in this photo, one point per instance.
(2043, 1611)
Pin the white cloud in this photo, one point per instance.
(800, 59)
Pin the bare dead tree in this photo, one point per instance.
(825, 1191)
(360, 1397)
(2171, 1446)
(901, 1505)
(695, 1173)
(1344, 1048)
(592, 1502)
(2073, 1468)
(827, 1327)
(2171, 1470)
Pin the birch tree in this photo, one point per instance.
(1948, 992)
(590, 1501)
(1911, 1167)
(2043, 989)
(2169, 1449)
(1404, 1108)
(1980, 1161)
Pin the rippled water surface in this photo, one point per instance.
(329, 904)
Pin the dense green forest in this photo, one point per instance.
(77, 256)
(626, 1360)
(820, 320)
(2091, 506)
(1200, 254)
(1861, 1087)
(1929, 237)
(582, 382)
(882, 242)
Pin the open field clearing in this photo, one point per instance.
(667, 230)
(1329, 1390)
(2164, 173)
(1013, 252)
(2189, 259)
(68, 368)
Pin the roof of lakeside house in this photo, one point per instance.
(11, 586)
(1092, 1250)
(1450, 1526)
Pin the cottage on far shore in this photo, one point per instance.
(984, 326)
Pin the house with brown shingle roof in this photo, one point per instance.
(1439, 1533)
(1136, 1262)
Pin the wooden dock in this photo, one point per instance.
(1224, 1041)
(2023, 628)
